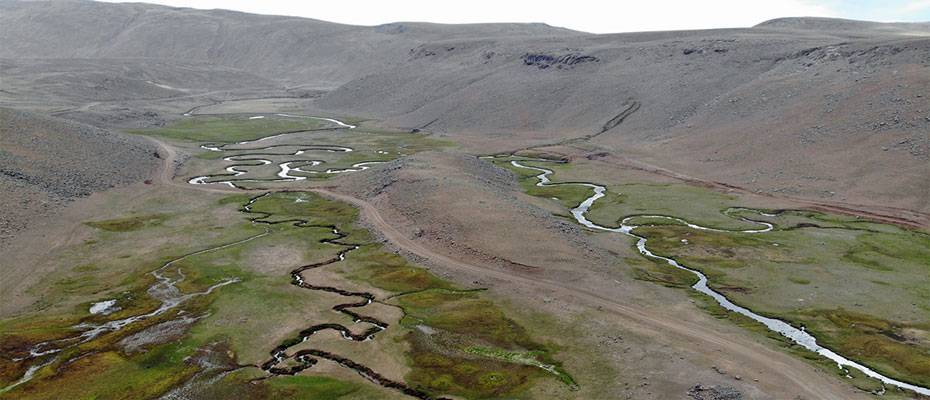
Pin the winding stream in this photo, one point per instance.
(284, 362)
(166, 291)
(307, 358)
(333, 120)
(253, 157)
(280, 357)
(799, 336)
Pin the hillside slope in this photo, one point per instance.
(830, 110)
(47, 162)
(805, 114)
(291, 49)
(864, 28)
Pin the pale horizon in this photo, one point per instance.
(581, 15)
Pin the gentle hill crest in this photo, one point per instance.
(840, 24)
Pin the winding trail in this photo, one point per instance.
(629, 108)
(798, 336)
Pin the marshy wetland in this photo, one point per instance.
(251, 282)
(213, 204)
(847, 289)
(241, 293)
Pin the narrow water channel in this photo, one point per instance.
(799, 336)
(257, 156)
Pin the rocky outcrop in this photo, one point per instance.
(559, 61)
(701, 392)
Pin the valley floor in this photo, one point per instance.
(278, 254)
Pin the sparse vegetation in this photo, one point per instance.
(231, 128)
(128, 223)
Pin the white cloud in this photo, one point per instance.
(587, 15)
(916, 5)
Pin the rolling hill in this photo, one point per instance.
(832, 111)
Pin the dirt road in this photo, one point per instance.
(779, 374)
(165, 173)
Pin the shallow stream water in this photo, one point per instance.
(252, 157)
(796, 335)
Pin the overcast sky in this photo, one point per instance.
(598, 16)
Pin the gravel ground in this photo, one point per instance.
(47, 162)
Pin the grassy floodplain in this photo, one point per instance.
(859, 286)
(231, 128)
(442, 322)
(233, 330)
(296, 133)
(235, 327)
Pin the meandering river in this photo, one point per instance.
(167, 277)
(256, 157)
(796, 335)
